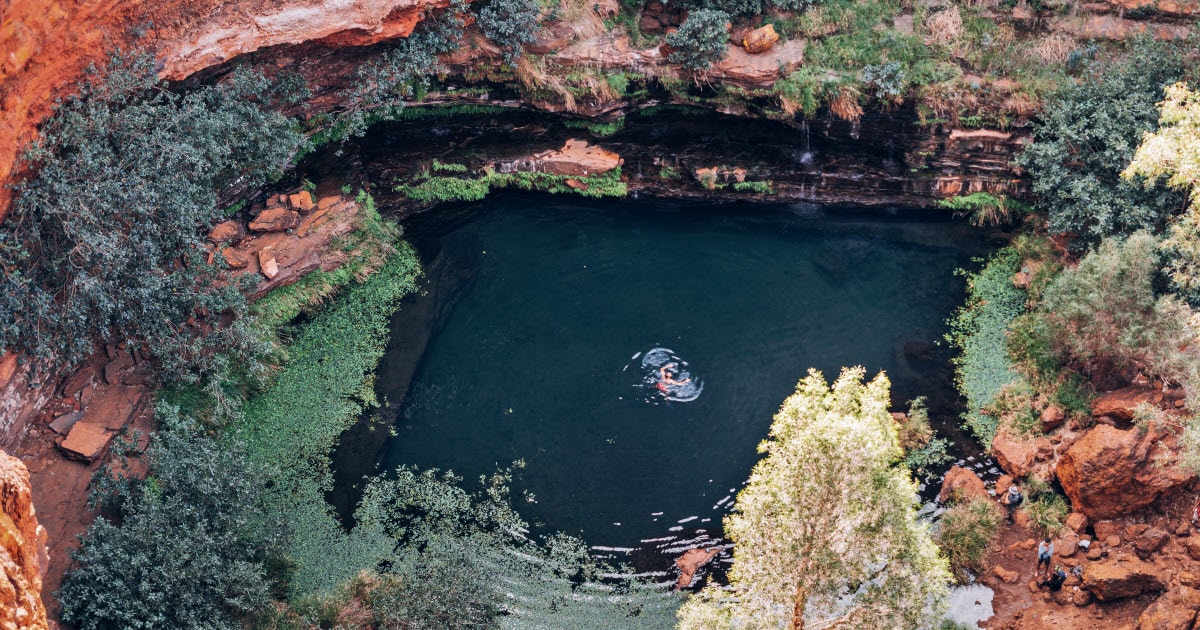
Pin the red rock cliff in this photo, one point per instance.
(23, 557)
(45, 45)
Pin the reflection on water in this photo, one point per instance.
(970, 605)
(553, 298)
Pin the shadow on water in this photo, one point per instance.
(529, 340)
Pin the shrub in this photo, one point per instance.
(922, 451)
(1032, 350)
(1104, 317)
(886, 80)
(1047, 509)
(183, 549)
(984, 209)
(700, 40)
(965, 533)
(979, 330)
(106, 238)
(381, 87)
(511, 24)
(758, 188)
(1088, 134)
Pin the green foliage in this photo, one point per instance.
(827, 523)
(922, 451)
(1103, 317)
(422, 112)
(1088, 134)
(984, 209)
(599, 129)
(668, 172)
(127, 178)
(1170, 153)
(1074, 394)
(291, 426)
(428, 188)
(747, 7)
(1047, 509)
(382, 87)
(183, 549)
(1032, 349)
(887, 81)
(448, 168)
(604, 185)
(965, 533)
(758, 188)
(700, 40)
(367, 247)
(979, 331)
(510, 23)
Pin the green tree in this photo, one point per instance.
(1173, 152)
(826, 528)
(1086, 136)
(1103, 317)
(701, 39)
(183, 549)
(106, 238)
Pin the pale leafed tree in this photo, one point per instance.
(1173, 152)
(826, 531)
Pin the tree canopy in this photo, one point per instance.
(826, 528)
(1173, 152)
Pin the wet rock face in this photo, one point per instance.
(23, 556)
(1109, 472)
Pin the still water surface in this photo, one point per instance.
(566, 314)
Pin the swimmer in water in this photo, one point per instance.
(665, 379)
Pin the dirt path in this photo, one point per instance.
(60, 485)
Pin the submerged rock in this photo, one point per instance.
(690, 562)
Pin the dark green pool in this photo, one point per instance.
(540, 356)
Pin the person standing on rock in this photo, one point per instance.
(1012, 500)
(1045, 553)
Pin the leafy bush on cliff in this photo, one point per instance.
(700, 40)
(381, 87)
(105, 240)
(183, 549)
(748, 7)
(511, 24)
(1088, 134)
